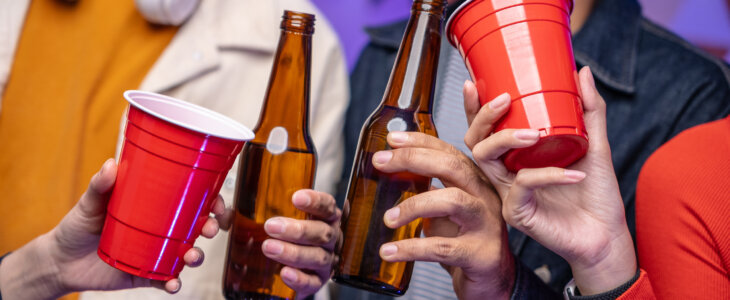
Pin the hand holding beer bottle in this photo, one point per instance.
(406, 106)
(274, 168)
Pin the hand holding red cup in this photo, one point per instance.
(174, 160)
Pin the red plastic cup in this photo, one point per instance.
(173, 163)
(523, 47)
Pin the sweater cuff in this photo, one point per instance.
(572, 293)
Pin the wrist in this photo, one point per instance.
(615, 267)
(29, 273)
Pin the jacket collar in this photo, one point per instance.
(608, 41)
(195, 48)
(388, 35)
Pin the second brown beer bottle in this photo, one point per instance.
(406, 106)
(280, 160)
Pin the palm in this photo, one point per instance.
(557, 214)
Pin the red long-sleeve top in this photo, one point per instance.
(683, 217)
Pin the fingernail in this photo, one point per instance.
(392, 214)
(196, 257)
(388, 250)
(289, 275)
(382, 157)
(274, 226)
(301, 199)
(176, 284)
(575, 175)
(590, 76)
(273, 247)
(499, 102)
(398, 137)
(527, 134)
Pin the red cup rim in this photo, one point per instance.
(217, 125)
(455, 15)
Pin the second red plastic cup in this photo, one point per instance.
(174, 160)
(523, 47)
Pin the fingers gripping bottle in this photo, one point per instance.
(406, 106)
(280, 160)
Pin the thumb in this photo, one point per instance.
(93, 202)
(594, 114)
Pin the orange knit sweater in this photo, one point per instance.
(63, 103)
(683, 215)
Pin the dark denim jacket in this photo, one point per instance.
(654, 83)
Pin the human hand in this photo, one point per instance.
(64, 260)
(305, 247)
(462, 223)
(576, 213)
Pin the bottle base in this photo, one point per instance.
(369, 285)
(251, 296)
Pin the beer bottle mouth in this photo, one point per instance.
(430, 6)
(297, 22)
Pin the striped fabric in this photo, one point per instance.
(430, 280)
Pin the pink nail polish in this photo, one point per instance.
(527, 134)
(382, 157)
(575, 175)
(499, 102)
(273, 247)
(388, 250)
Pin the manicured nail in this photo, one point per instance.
(176, 286)
(392, 214)
(575, 175)
(399, 137)
(289, 275)
(301, 199)
(274, 226)
(592, 80)
(527, 134)
(499, 102)
(382, 157)
(196, 257)
(388, 250)
(273, 247)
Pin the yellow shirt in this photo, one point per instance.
(62, 105)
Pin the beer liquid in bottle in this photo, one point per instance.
(406, 106)
(280, 160)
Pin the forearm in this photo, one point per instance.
(27, 273)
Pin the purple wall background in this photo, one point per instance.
(350, 17)
(705, 23)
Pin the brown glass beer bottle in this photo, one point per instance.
(280, 160)
(406, 106)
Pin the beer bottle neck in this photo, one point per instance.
(286, 104)
(413, 78)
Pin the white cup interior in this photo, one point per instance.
(188, 115)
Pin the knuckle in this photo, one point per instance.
(457, 197)
(407, 154)
(293, 254)
(327, 235)
(465, 204)
(322, 259)
(298, 230)
(522, 177)
(556, 173)
(453, 164)
(446, 250)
